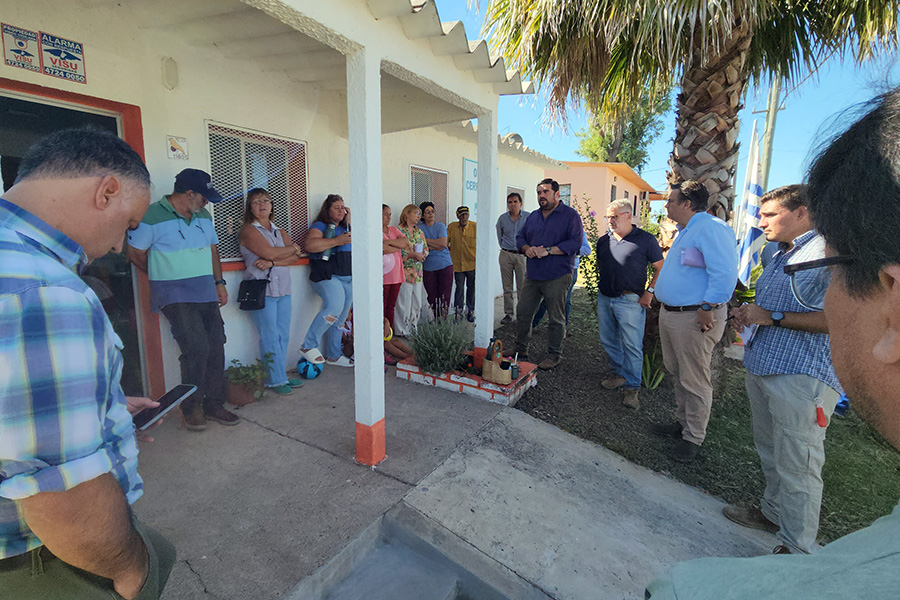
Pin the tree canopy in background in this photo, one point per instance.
(625, 140)
(609, 53)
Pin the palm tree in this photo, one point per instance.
(608, 53)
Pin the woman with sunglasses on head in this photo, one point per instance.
(267, 251)
(328, 243)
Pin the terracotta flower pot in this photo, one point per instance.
(241, 394)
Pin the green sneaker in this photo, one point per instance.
(284, 390)
(295, 383)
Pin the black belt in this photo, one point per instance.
(511, 251)
(689, 308)
(20, 561)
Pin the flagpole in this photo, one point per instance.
(768, 136)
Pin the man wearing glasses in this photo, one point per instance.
(862, 309)
(176, 244)
(622, 258)
(694, 284)
(790, 381)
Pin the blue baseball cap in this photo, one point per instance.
(195, 180)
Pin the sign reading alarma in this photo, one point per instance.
(44, 53)
(62, 58)
(21, 48)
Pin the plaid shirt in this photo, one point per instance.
(64, 418)
(780, 351)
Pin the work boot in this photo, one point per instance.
(666, 429)
(193, 418)
(749, 517)
(631, 399)
(221, 415)
(551, 362)
(613, 382)
(684, 451)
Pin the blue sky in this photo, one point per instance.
(811, 110)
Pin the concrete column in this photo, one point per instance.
(364, 128)
(486, 217)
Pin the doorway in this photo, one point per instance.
(23, 121)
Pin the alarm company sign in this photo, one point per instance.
(44, 53)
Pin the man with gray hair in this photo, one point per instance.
(68, 451)
(512, 262)
(623, 255)
(861, 270)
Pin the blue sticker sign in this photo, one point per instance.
(21, 48)
(62, 58)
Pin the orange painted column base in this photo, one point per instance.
(370, 448)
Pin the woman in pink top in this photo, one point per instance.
(392, 264)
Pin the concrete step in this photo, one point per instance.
(393, 571)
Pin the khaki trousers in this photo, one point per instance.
(511, 264)
(687, 352)
(791, 448)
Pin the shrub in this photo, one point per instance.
(440, 345)
(251, 375)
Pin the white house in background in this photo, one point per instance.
(305, 97)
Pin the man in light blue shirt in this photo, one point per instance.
(694, 285)
(512, 262)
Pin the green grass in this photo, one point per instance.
(861, 474)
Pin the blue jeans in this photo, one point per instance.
(337, 297)
(621, 325)
(274, 325)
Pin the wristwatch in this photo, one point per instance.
(708, 307)
(220, 282)
(651, 289)
(776, 318)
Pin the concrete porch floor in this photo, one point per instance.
(254, 509)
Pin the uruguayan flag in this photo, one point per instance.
(749, 236)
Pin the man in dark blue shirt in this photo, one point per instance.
(550, 239)
(622, 258)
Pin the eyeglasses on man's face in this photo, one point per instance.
(810, 279)
(615, 217)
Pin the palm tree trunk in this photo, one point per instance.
(707, 124)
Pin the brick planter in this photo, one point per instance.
(473, 385)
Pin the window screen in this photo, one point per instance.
(429, 185)
(242, 160)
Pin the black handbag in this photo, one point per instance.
(252, 293)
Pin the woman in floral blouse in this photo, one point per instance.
(412, 301)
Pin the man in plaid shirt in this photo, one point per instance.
(68, 455)
(789, 380)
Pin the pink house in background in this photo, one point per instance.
(601, 183)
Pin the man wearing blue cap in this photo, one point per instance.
(176, 244)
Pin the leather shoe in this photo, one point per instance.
(749, 517)
(613, 382)
(194, 419)
(631, 399)
(221, 415)
(684, 451)
(666, 429)
(551, 362)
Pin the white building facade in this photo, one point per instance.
(367, 99)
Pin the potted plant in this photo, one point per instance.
(245, 382)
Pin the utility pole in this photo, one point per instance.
(766, 151)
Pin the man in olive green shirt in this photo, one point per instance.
(461, 236)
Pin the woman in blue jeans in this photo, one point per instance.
(268, 250)
(328, 243)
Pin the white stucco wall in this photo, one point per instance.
(123, 64)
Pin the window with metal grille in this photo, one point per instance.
(429, 185)
(565, 194)
(241, 160)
